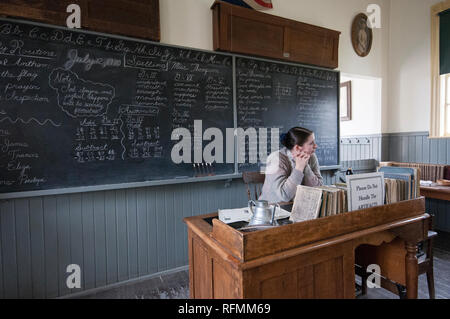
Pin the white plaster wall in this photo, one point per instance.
(366, 106)
(186, 23)
(409, 64)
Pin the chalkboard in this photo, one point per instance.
(82, 109)
(280, 95)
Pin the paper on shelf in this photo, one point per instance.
(229, 216)
(426, 183)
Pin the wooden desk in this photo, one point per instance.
(436, 192)
(312, 259)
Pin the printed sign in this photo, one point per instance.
(365, 190)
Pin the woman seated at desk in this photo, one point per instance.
(295, 164)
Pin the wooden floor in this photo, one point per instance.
(171, 286)
(176, 285)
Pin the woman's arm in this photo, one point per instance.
(312, 176)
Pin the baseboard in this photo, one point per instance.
(122, 283)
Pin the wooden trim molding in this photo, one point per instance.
(347, 86)
(436, 128)
(439, 7)
(446, 80)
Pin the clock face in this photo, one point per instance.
(361, 35)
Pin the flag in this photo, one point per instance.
(252, 4)
(260, 4)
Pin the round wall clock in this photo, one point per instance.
(361, 35)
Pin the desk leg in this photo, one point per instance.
(412, 271)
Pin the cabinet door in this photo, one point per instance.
(312, 45)
(255, 37)
(242, 31)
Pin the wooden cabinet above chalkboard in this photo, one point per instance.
(126, 17)
(241, 30)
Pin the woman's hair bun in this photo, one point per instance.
(283, 139)
(295, 136)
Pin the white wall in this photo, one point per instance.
(186, 23)
(366, 106)
(409, 64)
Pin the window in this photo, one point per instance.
(440, 70)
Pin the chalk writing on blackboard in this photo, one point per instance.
(272, 94)
(47, 121)
(78, 97)
(94, 109)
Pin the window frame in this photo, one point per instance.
(446, 104)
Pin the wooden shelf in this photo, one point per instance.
(241, 30)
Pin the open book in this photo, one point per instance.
(307, 204)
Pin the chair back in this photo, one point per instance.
(254, 182)
(447, 172)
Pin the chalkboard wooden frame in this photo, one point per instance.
(235, 175)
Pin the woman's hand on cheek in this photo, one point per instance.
(305, 155)
(301, 160)
(297, 151)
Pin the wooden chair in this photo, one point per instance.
(255, 181)
(447, 172)
(425, 266)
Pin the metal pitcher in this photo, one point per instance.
(263, 213)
